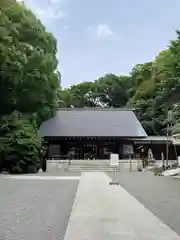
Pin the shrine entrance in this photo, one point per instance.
(84, 148)
(90, 151)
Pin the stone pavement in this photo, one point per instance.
(101, 211)
(34, 208)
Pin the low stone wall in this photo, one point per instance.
(53, 165)
(124, 165)
(130, 165)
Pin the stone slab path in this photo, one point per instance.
(160, 195)
(105, 212)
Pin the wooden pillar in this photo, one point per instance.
(59, 150)
(100, 146)
(120, 149)
(97, 149)
(80, 144)
(48, 149)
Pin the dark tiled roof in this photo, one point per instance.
(92, 122)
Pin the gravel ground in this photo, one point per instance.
(161, 195)
(35, 209)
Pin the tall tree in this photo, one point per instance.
(29, 80)
(29, 84)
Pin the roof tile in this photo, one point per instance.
(92, 122)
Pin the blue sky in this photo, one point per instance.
(96, 37)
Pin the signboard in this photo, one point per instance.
(114, 160)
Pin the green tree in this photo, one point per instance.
(28, 77)
(29, 84)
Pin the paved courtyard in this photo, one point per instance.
(70, 207)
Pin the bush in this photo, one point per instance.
(176, 129)
(20, 144)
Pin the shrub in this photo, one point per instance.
(20, 144)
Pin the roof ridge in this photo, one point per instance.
(96, 109)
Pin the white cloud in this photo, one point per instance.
(103, 31)
(49, 14)
(46, 13)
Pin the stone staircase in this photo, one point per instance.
(80, 166)
(97, 168)
(90, 166)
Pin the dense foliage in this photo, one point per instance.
(152, 88)
(20, 145)
(29, 83)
